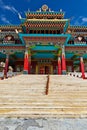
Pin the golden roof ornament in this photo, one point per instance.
(44, 8)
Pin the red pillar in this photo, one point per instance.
(29, 64)
(6, 66)
(59, 66)
(82, 67)
(26, 62)
(63, 61)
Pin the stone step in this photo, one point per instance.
(20, 88)
(43, 100)
(35, 97)
(41, 108)
(50, 97)
(62, 101)
(24, 96)
(40, 111)
(43, 105)
(38, 116)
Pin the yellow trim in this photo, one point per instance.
(59, 20)
(36, 69)
(51, 69)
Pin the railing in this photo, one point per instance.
(11, 44)
(77, 44)
(80, 43)
(47, 85)
(8, 42)
(79, 33)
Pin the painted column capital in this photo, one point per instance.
(63, 49)
(59, 59)
(7, 55)
(59, 66)
(81, 59)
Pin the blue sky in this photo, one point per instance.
(76, 10)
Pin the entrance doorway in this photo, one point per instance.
(45, 69)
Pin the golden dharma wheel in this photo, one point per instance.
(44, 7)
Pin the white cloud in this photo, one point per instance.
(4, 19)
(84, 19)
(10, 8)
(77, 23)
(81, 20)
(7, 7)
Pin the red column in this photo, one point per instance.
(26, 63)
(59, 66)
(29, 64)
(63, 61)
(82, 67)
(6, 66)
(29, 61)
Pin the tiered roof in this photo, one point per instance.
(45, 12)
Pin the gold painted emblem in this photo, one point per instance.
(45, 8)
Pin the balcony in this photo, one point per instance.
(80, 43)
(75, 43)
(8, 42)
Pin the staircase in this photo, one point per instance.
(25, 96)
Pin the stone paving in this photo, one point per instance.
(42, 124)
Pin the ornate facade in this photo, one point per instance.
(44, 43)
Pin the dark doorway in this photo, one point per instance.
(46, 69)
